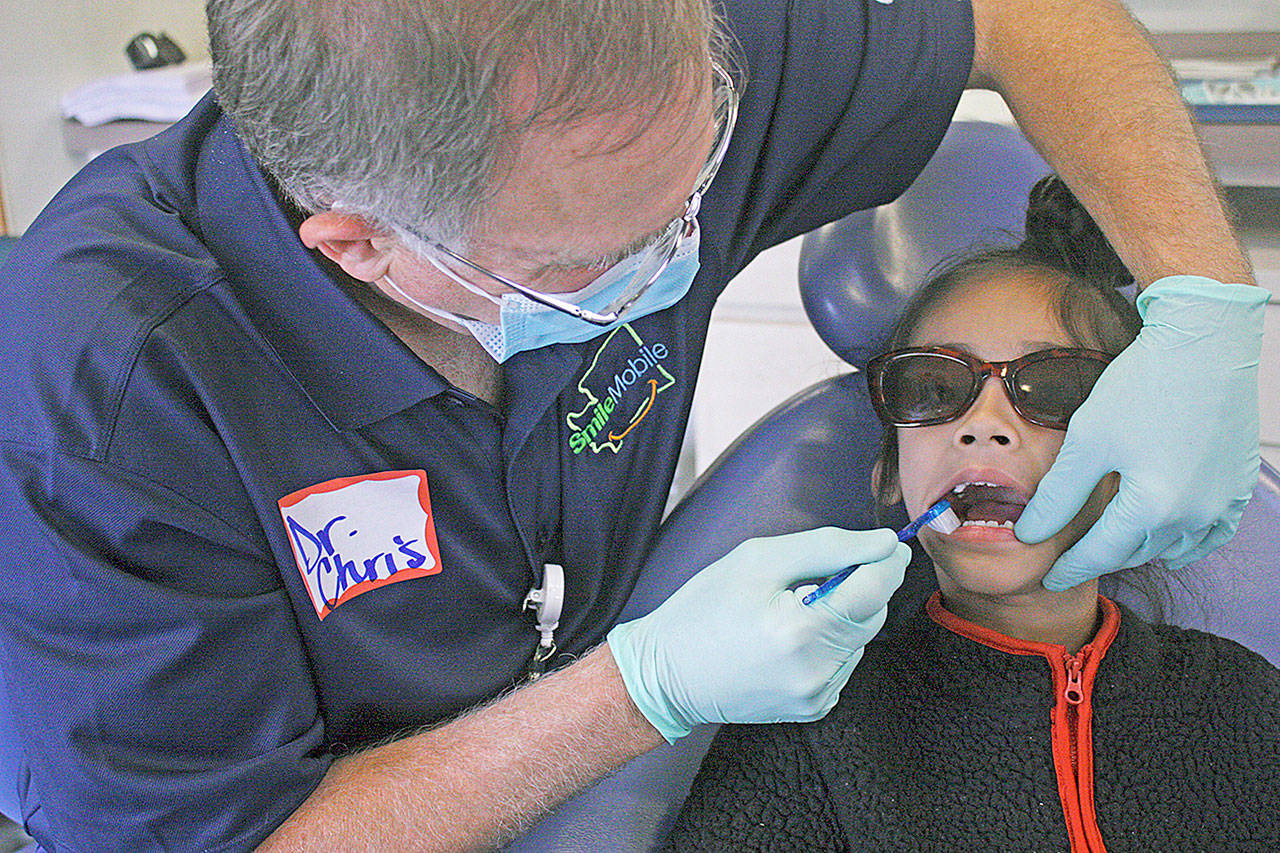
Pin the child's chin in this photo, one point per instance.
(993, 577)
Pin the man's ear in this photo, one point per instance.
(895, 491)
(361, 250)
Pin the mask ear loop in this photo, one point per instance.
(474, 288)
(422, 306)
(423, 249)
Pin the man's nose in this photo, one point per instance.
(991, 419)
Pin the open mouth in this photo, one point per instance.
(979, 504)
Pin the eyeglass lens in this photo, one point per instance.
(1053, 388)
(656, 259)
(924, 388)
(664, 248)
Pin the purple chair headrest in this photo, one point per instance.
(857, 275)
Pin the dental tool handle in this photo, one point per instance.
(828, 585)
(939, 516)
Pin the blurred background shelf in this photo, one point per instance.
(83, 142)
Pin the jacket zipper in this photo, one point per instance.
(1073, 750)
(1072, 716)
(1073, 694)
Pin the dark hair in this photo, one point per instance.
(1082, 274)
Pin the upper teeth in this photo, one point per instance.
(960, 488)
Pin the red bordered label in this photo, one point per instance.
(355, 534)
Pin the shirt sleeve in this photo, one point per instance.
(758, 789)
(843, 103)
(152, 716)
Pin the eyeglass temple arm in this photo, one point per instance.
(546, 299)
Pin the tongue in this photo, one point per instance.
(992, 503)
(994, 511)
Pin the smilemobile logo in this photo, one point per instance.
(617, 399)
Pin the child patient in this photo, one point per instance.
(1006, 716)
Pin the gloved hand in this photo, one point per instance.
(735, 645)
(1176, 414)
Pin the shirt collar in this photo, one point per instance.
(1107, 630)
(350, 365)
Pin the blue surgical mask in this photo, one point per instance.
(524, 324)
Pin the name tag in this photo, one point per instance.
(355, 534)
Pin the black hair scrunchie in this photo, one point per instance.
(1062, 235)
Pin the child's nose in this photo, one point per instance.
(991, 418)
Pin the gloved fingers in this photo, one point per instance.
(1120, 538)
(1063, 490)
(810, 554)
(830, 693)
(1218, 535)
(862, 597)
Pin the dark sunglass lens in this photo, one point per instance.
(1051, 389)
(923, 387)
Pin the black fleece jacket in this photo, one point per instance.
(951, 737)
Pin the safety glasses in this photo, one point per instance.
(660, 253)
(923, 386)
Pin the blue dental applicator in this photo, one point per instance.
(940, 517)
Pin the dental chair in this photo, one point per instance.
(808, 463)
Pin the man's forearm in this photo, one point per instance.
(1099, 104)
(475, 782)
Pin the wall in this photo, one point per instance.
(1173, 16)
(49, 48)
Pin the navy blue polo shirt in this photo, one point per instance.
(247, 530)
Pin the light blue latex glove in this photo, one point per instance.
(1176, 414)
(735, 645)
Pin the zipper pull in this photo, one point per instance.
(546, 602)
(1074, 692)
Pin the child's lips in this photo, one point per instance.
(979, 533)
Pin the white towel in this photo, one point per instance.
(156, 94)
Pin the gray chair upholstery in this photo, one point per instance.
(808, 462)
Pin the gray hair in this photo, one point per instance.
(395, 109)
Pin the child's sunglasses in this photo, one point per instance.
(923, 386)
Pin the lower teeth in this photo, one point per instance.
(980, 522)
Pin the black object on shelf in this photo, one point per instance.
(148, 50)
